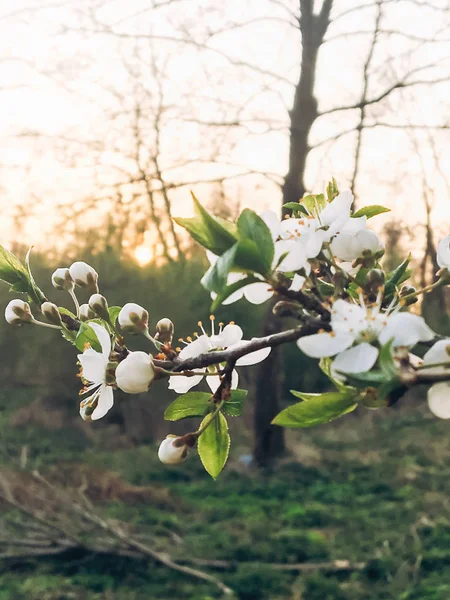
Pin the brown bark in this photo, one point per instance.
(269, 440)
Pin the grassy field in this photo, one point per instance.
(372, 489)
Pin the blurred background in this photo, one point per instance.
(111, 111)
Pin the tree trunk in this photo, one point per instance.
(269, 441)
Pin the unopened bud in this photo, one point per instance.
(170, 453)
(133, 318)
(62, 280)
(51, 313)
(408, 290)
(86, 313)
(18, 312)
(99, 305)
(164, 331)
(444, 276)
(376, 277)
(285, 308)
(135, 374)
(84, 275)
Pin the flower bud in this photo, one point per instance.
(171, 454)
(376, 276)
(62, 280)
(18, 312)
(86, 313)
(164, 331)
(51, 313)
(133, 318)
(135, 374)
(99, 305)
(407, 290)
(84, 275)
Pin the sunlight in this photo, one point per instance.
(143, 255)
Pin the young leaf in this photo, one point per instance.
(332, 190)
(86, 335)
(398, 276)
(215, 279)
(314, 203)
(295, 207)
(251, 227)
(234, 405)
(370, 211)
(317, 410)
(192, 404)
(114, 313)
(214, 445)
(364, 380)
(35, 294)
(208, 231)
(13, 271)
(386, 361)
(234, 287)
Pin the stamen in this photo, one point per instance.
(189, 339)
(212, 318)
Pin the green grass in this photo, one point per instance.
(373, 489)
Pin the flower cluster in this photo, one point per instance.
(322, 266)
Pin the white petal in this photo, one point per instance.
(93, 364)
(353, 225)
(214, 381)
(406, 329)
(105, 402)
(358, 359)
(443, 253)
(343, 247)
(195, 348)
(103, 338)
(182, 384)
(338, 210)
(257, 293)
(272, 221)
(439, 400)
(296, 255)
(313, 242)
(254, 357)
(231, 334)
(439, 353)
(324, 344)
(212, 258)
(348, 317)
(232, 298)
(297, 283)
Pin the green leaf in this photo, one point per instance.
(69, 335)
(325, 289)
(366, 379)
(192, 404)
(230, 289)
(214, 445)
(251, 227)
(114, 313)
(325, 367)
(35, 294)
(370, 211)
(295, 207)
(234, 405)
(208, 231)
(86, 335)
(386, 361)
(316, 410)
(65, 311)
(398, 276)
(332, 190)
(314, 203)
(13, 271)
(215, 279)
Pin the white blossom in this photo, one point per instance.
(348, 246)
(62, 280)
(83, 274)
(355, 330)
(18, 312)
(133, 317)
(94, 370)
(86, 313)
(169, 454)
(227, 337)
(135, 374)
(443, 253)
(439, 393)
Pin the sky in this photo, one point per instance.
(70, 92)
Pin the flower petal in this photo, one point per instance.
(195, 348)
(94, 365)
(296, 255)
(214, 381)
(272, 221)
(406, 329)
(297, 283)
(324, 344)
(257, 293)
(103, 338)
(443, 253)
(439, 400)
(358, 359)
(182, 384)
(105, 402)
(253, 358)
(231, 334)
